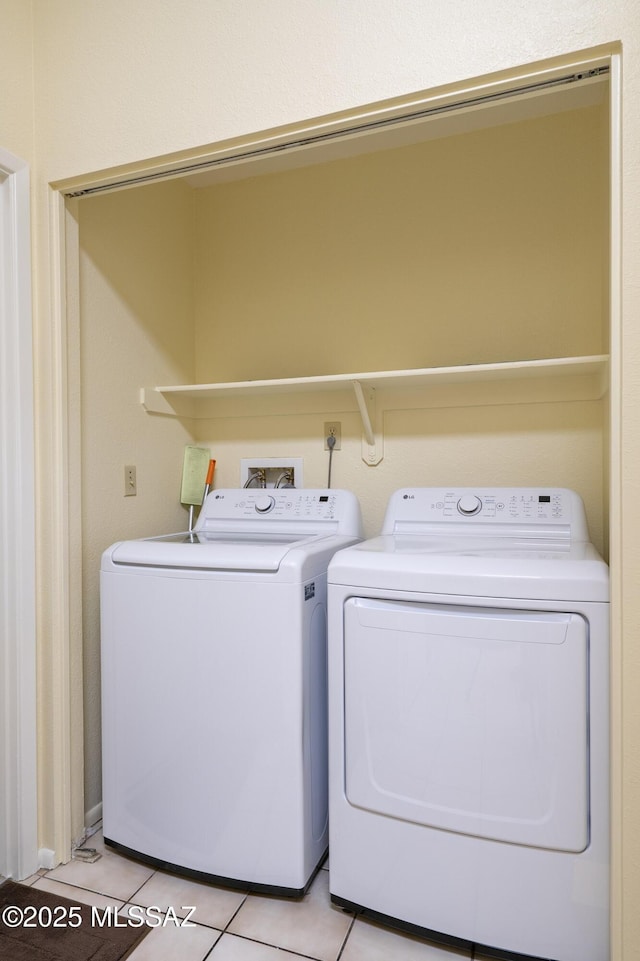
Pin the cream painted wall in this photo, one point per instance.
(544, 444)
(16, 78)
(118, 83)
(150, 78)
(478, 248)
(136, 262)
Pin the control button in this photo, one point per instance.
(265, 503)
(469, 504)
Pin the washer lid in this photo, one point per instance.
(535, 568)
(211, 550)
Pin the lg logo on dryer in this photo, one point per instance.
(309, 591)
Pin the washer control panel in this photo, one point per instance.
(498, 506)
(336, 507)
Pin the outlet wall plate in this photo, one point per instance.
(333, 427)
(273, 467)
(130, 481)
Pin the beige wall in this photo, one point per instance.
(477, 248)
(16, 78)
(119, 82)
(477, 444)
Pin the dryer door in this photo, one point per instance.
(469, 719)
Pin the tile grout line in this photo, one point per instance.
(152, 875)
(234, 915)
(346, 938)
(104, 894)
(276, 947)
(266, 944)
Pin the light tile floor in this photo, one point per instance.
(231, 925)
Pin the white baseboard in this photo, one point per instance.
(47, 858)
(92, 816)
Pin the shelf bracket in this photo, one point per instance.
(155, 402)
(372, 440)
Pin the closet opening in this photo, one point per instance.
(449, 233)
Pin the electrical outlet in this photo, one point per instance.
(130, 484)
(334, 428)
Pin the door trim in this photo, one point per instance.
(18, 760)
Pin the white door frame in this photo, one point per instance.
(18, 770)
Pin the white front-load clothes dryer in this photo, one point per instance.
(469, 723)
(214, 689)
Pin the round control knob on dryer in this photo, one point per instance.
(469, 504)
(265, 503)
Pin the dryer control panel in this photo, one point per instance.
(526, 508)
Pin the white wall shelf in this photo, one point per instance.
(182, 400)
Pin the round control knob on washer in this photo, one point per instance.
(469, 504)
(265, 503)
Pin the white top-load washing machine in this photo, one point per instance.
(469, 723)
(214, 688)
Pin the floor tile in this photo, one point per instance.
(232, 948)
(215, 906)
(171, 943)
(259, 928)
(310, 926)
(27, 881)
(77, 894)
(371, 942)
(112, 875)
